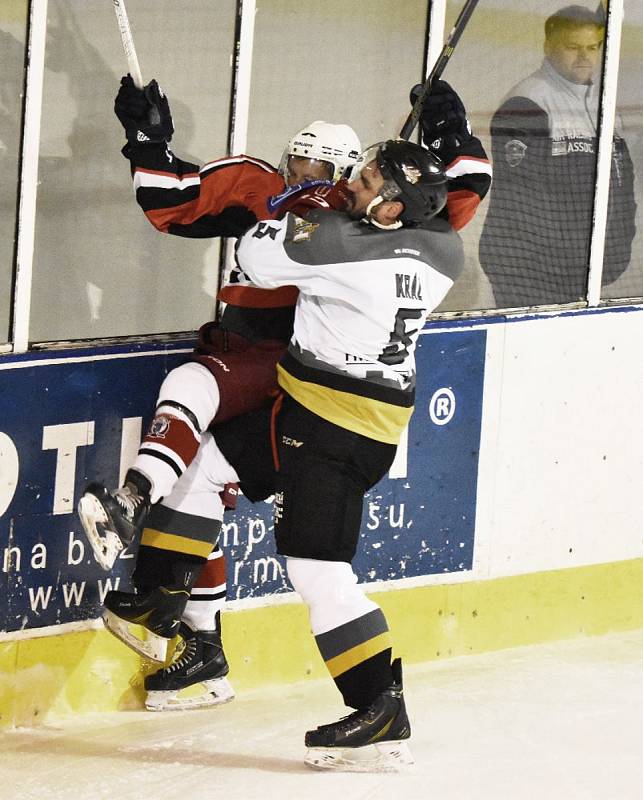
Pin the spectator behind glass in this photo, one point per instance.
(535, 242)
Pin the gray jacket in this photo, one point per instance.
(535, 242)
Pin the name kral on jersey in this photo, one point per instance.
(408, 287)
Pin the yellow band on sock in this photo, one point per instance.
(178, 544)
(361, 652)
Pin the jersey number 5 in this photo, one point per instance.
(397, 351)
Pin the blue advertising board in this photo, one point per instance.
(73, 416)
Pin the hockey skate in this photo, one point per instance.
(197, 678)
(158, 613)
(368, 740)
(111, 519)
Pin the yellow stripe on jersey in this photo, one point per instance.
(178, 544)
(356, 655)
(375, 419)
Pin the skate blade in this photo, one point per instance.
(210, 693)
(382, 757)
(105, 544)
(152, 646)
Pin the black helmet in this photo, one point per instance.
(412, 175)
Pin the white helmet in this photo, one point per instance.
(323, 141)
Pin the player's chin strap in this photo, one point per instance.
(369, 210)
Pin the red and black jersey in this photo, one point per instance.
(225, 197)
(221, 198)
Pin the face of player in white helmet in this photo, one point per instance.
(329, 148)
(298, 170)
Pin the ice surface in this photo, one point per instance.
(562, 720)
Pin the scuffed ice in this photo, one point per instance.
(553, 721)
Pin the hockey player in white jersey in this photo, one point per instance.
(367, 281)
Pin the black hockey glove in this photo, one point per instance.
(444, 120)
(144, 113)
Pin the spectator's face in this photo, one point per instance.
(575, 52)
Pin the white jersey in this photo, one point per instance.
(364, 297)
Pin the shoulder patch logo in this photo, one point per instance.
(303, 230)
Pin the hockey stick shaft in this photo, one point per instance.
(438, 68)
(128, 43)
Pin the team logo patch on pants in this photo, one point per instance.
(159, 427)
(288, 440)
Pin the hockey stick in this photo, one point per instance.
(130, 54)
(128, 43)
(438, 67)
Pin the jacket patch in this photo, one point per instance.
(515, 152)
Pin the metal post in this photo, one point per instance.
(605, 140)
(29, 174)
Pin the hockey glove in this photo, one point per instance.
(311, 194)
(144, 113)
(444, 122)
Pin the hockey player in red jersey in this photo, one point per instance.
(232, 370)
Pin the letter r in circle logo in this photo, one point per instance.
(442, 406)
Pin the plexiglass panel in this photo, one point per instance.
(628, 169)
(338, 61)
(13, 18)
(100, 269)
(536, 113)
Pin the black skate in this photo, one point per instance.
(197, 678)
(112, 519)
(158, 612)
(368, 740)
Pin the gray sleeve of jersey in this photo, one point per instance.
(328, 238)
(333, 238)
(323, 238)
